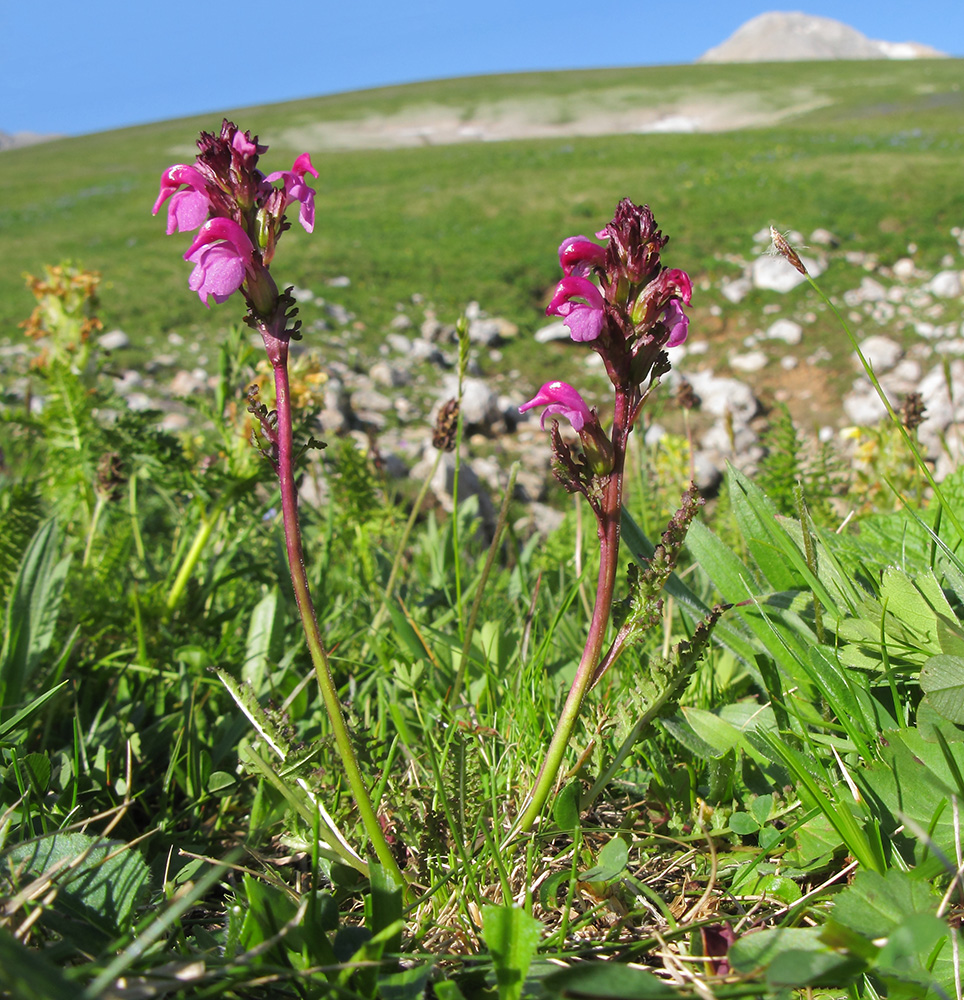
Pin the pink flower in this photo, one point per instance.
(673, 281)
(578, 255)
(676, 322)
(584, 319)
(221, 254)
(296, 189)
(188, 207)
(558, 397)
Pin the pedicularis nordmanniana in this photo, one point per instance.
(621, 302)
(616, 298)
(239, 213)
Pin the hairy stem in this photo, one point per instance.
(608, 530)
(277, 348)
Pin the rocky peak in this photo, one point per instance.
(785, 36)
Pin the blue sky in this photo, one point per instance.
(100, 64)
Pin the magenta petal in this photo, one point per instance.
(676, 322)
(578, 255)
(302, 166)
(561, 398)
(585, 320)
(678, 280)
(228, 230)
(188, 208)
(218, 271)
(187, 211)
(585, 323)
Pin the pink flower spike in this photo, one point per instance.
(221, 254)
(561, 398)
(188, 208)
(578, 255)
(297, 190)
(584, 319)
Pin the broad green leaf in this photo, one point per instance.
(942, 680)
(813, 843)
(610, 863)
(874, 904)
(565, 807)
(409, 984)
(27, 974)
(743, 824)
(92, 884)
(608, 981)
(907, 605)
(31, 613)
(761, 807)
(512, 937)
(793, 956)
(36, 767)
(265, 634)
(913, 785)
(384, 904)
(911, 944)
(720, 735)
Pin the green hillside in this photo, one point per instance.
(869, 150)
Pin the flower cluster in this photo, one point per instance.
(637, 302)
(619, 300)
(239, 214)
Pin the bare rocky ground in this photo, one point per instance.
(616, 112)
(908, 320)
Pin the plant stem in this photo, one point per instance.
(277, 348)
(609, 518)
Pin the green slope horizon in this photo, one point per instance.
(869, 150)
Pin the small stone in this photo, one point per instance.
(787, 330)
(824, 238)
(189, 383)
(382, 373)
(114, 340)
(339, 281)
(485, 332)
(175, 339)
(945, 284)
(882, 352)
(904, 269)
(554, 331)
(753, 361)
(736, 290)
(778, 275)
(401, 322)
(174, 422)
(399, 343)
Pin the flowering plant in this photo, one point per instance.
(240, 215)
(621, 302)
